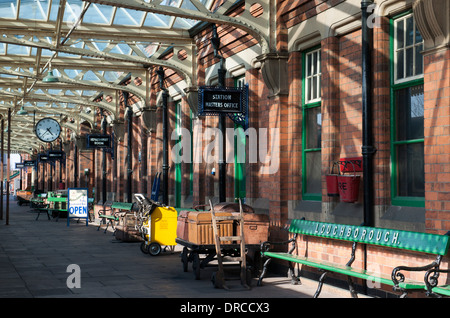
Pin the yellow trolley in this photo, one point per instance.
(157, 225)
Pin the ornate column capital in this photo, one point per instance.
(433, 20)
(275, 72)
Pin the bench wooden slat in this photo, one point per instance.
(122, 205)
(414, 241)
(112, 217)
(442, 290)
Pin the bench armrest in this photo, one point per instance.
(431, 281)
(398, 277)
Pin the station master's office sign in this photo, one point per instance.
(222, 100)
(77, 204)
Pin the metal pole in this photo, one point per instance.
(52, 171)
(104, 162)
(60, 164)
(222, 159)
(2, 176)
(129, 147)
(8, 166)
(367, 143)
(75, 166)
(165, 166)
(215, 41)
(165, 149)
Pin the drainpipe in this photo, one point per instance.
(368, 149)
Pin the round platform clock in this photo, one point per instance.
(47, 129)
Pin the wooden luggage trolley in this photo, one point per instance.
(195, 233)
(218, 278)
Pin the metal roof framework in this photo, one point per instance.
(94, 46)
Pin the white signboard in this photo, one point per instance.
(77, 204)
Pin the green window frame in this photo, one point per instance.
(311, 125)
(407, 110)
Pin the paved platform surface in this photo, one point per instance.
(35, 256)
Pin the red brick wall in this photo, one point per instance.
(437, 141)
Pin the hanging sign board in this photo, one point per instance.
(77, 204)
(55, 155)
(222, 100)
(19, 165)
(29, 163)
(42, 157)
(98, 141)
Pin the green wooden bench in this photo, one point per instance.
(413, 241)
(38, 205)
(122, 207)
(60, 205)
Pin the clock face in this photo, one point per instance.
(48, 129)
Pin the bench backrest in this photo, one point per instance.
(414, 241)
(122, 205)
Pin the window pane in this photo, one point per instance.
(409, 62)
(308, 90)
(400, 65)
(419, 59)
(313, 128)
(410, 170)
(314, 87)
(409, 31)
(418, 36)
(400, 31)
(410, 111)
(313, 172)
(308, 65)
(319, 93)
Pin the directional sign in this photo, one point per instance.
(98, 141)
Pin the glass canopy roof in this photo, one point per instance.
(93, 47)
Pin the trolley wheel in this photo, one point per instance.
(154, 249)
(217, 279)
(144, 248)
(196, 265)
(185, 259)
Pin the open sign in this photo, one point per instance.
(77, 204)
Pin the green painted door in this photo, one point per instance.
(239, 163)
(178, 174)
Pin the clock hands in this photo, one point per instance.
(48, 131)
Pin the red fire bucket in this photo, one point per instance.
(349, 187)
(332, 183)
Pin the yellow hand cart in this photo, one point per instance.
(157, 225)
